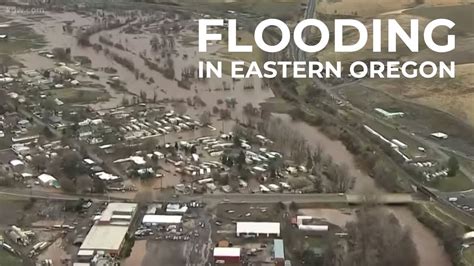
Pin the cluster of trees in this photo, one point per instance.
(378, 238)
(380, 163)
(70, 172)
(125, 62)
(449, 233)
(328, 176)
(62, 54)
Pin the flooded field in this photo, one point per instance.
(55, 252)
(135, 46)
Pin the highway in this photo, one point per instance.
(387, 198)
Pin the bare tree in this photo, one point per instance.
(84, 183)
(205, 118)
(340, 179)
(377, 238)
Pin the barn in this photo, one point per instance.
(226, 255)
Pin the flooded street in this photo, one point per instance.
(55, 252)
(137, 255)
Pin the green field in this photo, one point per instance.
(460, 182)
(78, 96)
(468, 255)
(6, 259)
(21, 38)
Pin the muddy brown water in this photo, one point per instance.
(137, 255)
(209, 90)
(336, 150)
(430, 251)
(429, 248)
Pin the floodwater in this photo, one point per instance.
(337, 150)
(429, 247)
(209, 90)
(431, 253)
(55, 252)
(137, 255)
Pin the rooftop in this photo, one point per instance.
(226, 252)
(258, 228)
(104, 237)
(162, 219)
(278, 249)
(117, 208)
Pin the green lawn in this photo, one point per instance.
(78, 96)
(20, 39)
(6, 259)
(460, 182)
(468, 255)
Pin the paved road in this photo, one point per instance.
(388, 198)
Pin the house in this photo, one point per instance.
(48, 180)
(17, 165)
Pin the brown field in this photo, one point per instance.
(283, 9)
(371, 8)
(451, 96)
(419, 119)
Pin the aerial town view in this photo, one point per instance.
(127, 137)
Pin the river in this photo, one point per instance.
(51, 27)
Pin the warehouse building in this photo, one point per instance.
(109, 233)
(258, 228)
(153, 219)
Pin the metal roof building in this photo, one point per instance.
(162, 219)
(107, 238)
(278, 250)
(116, 209)
(110, 230)
(258, 228)
(226, 255)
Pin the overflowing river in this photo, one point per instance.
(210, 92)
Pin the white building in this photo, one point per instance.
(109, 232)
(47, 180)
(387, 114)
(153, 219)
(258, 228)
(439, 135)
